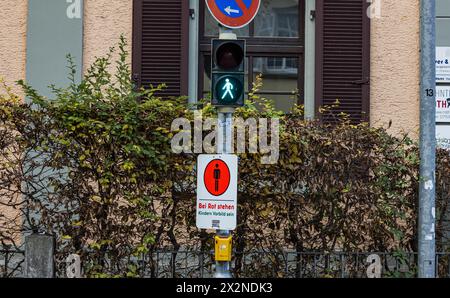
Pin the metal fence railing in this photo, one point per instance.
(290, 264)
(275, 264)
(257, 264)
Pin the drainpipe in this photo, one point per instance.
(194, 12)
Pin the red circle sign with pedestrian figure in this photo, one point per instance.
(217, 177)
(234, 14)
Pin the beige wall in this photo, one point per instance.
(104, 22)
(13, 16)
(395, 66)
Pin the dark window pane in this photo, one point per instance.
(443, 8)
(285, 68)
(207, 74)
(280, 75)
(277, 19)
(442, 32)
(282, 102)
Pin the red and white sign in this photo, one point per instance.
(217, 177)
(234, 14)
(217, 191)
(443, 104)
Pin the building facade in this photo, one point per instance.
(363, 53)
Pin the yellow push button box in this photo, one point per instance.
(223, 248)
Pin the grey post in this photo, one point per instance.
(427, 211)
(39, 251)
(224, 143)
(194, 6)
(225, 116)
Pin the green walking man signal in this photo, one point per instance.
(229, 91)
(228, 87)
(228, 72)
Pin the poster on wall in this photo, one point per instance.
(442, 64)
(443, 104)
(443, 136)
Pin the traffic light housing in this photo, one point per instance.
(228, 72)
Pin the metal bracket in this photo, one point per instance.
(363, 81)
(192, 13)
(312, 15)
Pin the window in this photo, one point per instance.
(275, 49)
(275, 21)
(442, 23)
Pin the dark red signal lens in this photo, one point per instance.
(229, 56)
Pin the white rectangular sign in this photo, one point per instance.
(443, 104)
(443, 64)
(443, 136)
(217, 177)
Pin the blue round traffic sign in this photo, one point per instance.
(234, 13)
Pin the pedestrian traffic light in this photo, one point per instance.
(228, 72)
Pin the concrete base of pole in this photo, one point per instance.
(39, 251)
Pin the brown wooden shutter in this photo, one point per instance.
(161, 44)
(343, 57)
